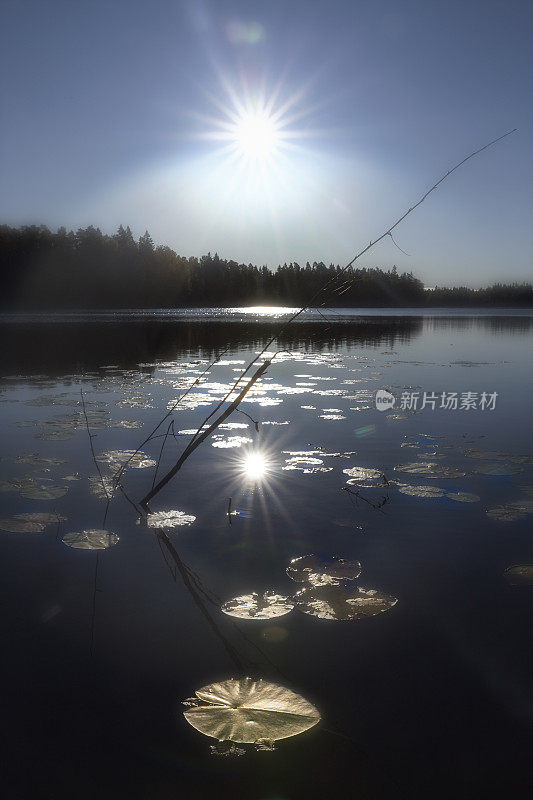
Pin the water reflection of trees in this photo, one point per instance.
(490, 323)
(61, 348)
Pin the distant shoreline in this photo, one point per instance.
(41, 270)
(262, 313)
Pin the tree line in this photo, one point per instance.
(40, 269)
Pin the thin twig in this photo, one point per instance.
(398, 246)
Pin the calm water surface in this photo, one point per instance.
(431, 698)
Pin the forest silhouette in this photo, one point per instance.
(43, 270)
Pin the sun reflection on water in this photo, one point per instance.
(255, 466)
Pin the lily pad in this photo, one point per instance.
(20, 526)
(427, 492)
(498, 468)
(430, 469)
(44, 492)
(245, 710)
(117, 458)
(37, 460)
(362, 473)
(505, 513)
(342, 602)
(42, 517)
(322, 570)
(102, 487)
(258, 606)
(463, 497)
(169, 519)
(90, 540)
(519, 575)
(231, 441)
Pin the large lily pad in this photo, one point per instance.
(258, 606)
(90, 540)
(245, 710)
(322, 570)
(341, 602)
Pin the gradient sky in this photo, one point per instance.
(109, 109)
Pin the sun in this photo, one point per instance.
(256, 135)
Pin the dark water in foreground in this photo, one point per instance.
(431, 698)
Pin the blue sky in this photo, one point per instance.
(110, 109)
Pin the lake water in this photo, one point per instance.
(429, 698)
